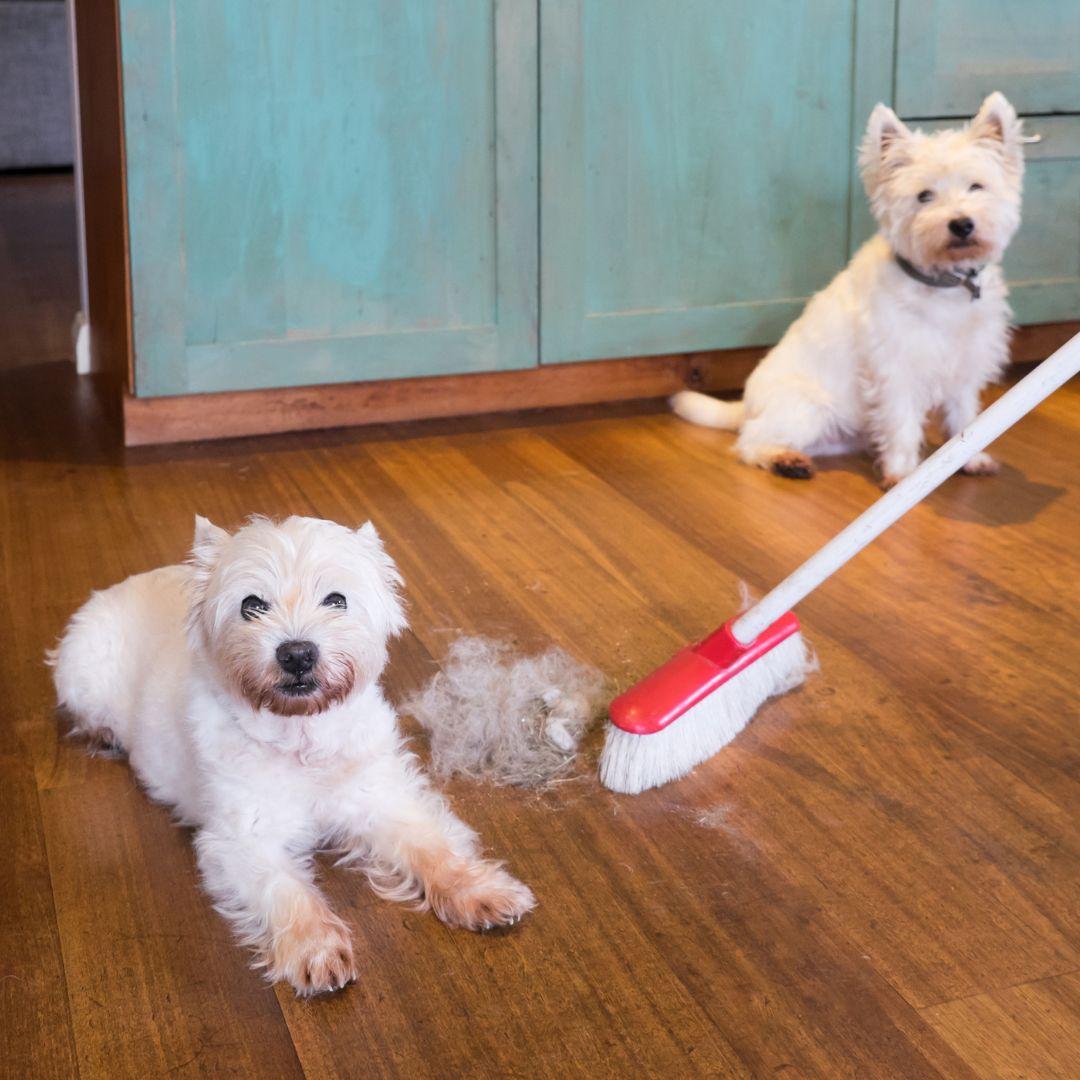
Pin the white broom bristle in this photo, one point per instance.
(634, 763)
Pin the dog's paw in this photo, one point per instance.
(480, 896)
(793, 465)
(314, 954)
(891, 479)
(894, 467)
(981, 465)
(101, 742)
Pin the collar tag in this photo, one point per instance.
(944, 280)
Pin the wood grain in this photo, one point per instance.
(1038, 1025)
(140, 941)
(35, 1024)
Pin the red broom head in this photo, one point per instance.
(691, 675)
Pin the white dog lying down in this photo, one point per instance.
(918, 320)
(244, 688)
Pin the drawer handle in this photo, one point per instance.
(1034, 138)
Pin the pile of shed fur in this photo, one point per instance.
(506, 719)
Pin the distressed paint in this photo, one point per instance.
(695, 170)
(331, 191)
(873, 67)
(949, 52)
(348, 190)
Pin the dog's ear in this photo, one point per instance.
(207, 544)
(205, 551)
(884, 128)
(883, 147)
(996, 127)
(385, 591)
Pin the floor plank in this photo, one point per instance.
(1022, 1033)
(155, 984)
(36, 1037)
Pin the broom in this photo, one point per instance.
(685, 711)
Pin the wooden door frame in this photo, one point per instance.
(99, 103)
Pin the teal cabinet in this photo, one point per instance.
(949, 52)
(352, 190)
(329, 191)
(695, 170)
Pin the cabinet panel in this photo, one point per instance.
(695, 170)
(329, 192)
(952, 53)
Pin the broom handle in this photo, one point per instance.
(892, 506)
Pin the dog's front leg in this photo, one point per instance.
(897, 432)
(270, 898)
(960, 409)
(412, 847)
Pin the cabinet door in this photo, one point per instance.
(321, 192)
(951, 53)
(695, 170)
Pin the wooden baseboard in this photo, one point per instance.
(194, 417)
(1038, 342)
(258, 412)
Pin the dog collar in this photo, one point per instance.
(944, 280)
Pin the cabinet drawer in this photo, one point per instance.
(951, 53)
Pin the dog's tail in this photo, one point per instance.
(708, 411)
(86, 667)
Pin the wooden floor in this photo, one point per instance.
(39, 283)
(879, 878)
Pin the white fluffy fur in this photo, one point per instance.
(876, 351)
(503, 718)
(164, 666)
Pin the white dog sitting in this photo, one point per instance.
(244, 688)
(918, 319)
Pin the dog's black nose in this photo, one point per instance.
(297, 657)
(962, 227)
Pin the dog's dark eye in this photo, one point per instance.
(925, 196)
(334, 600)
(253, 606)
(975, 187)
